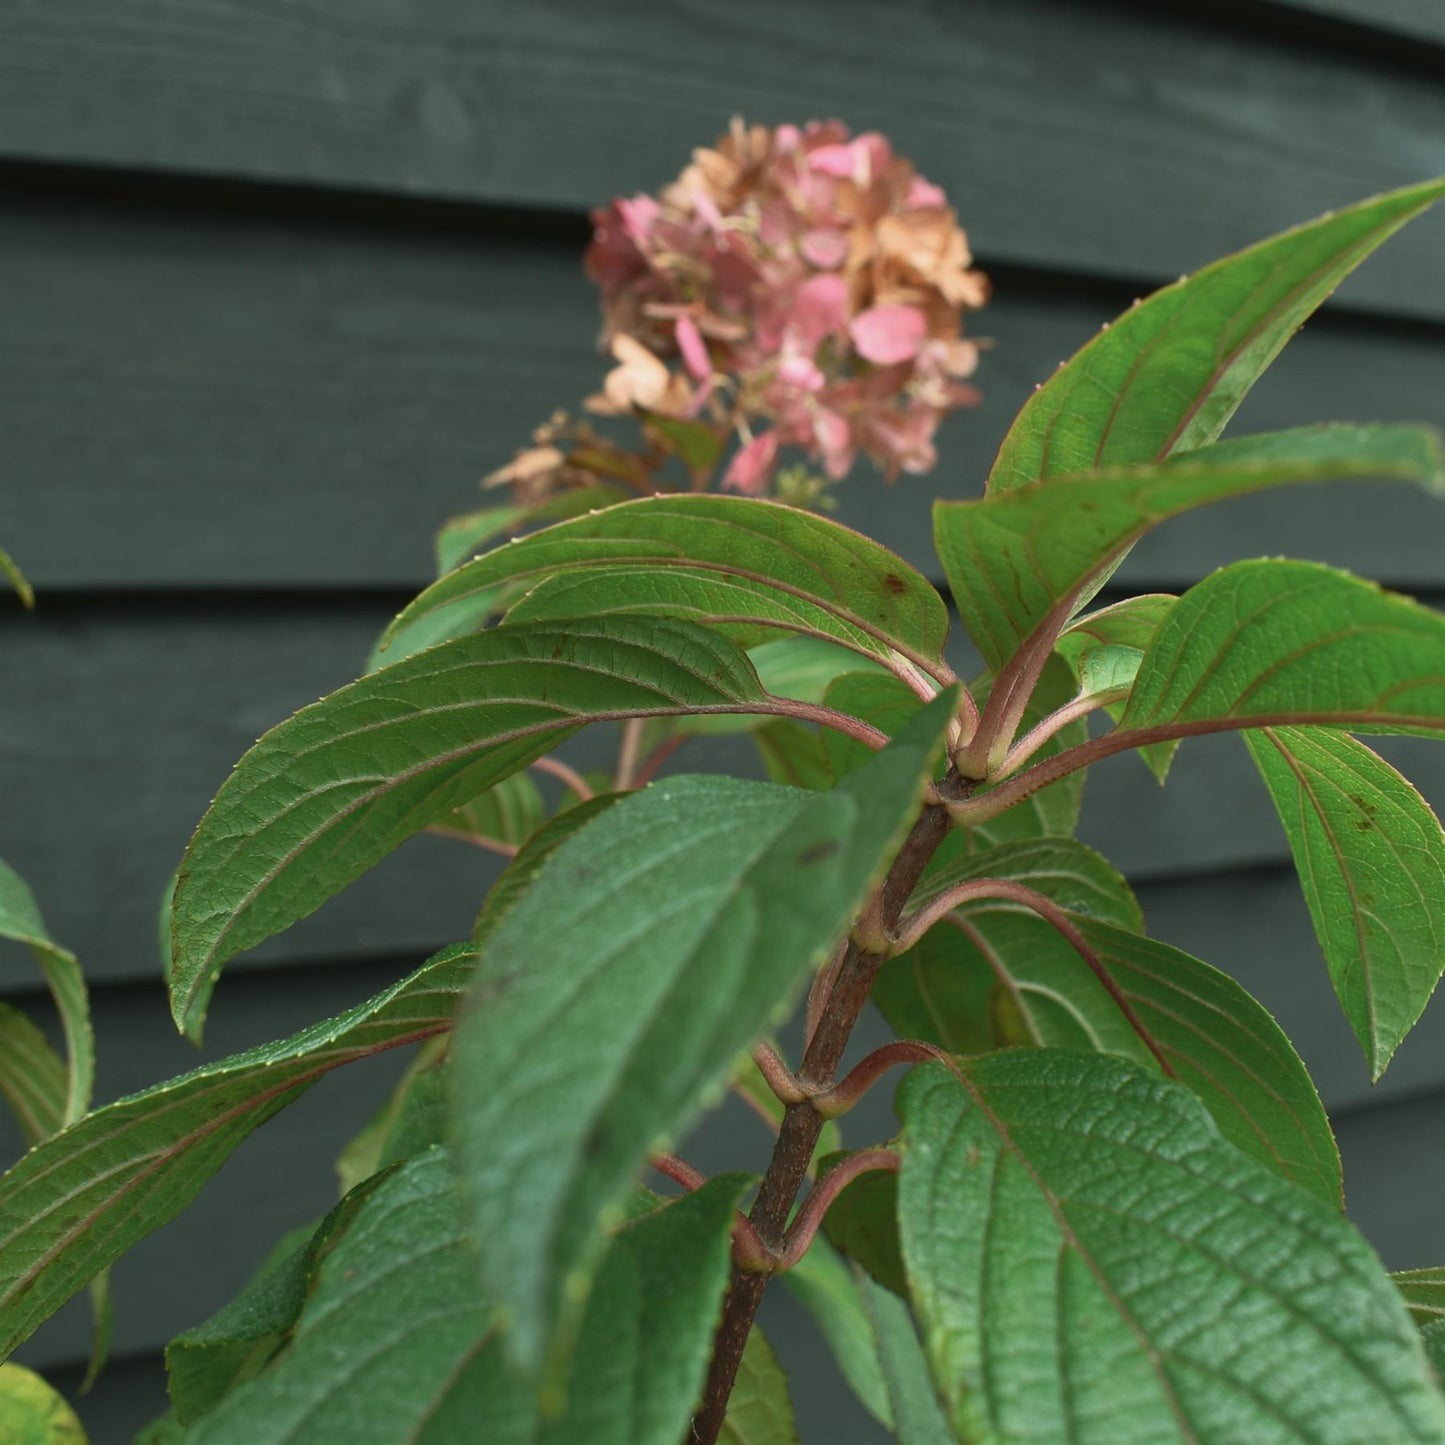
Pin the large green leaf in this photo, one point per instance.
(917, 1413)
(333, 790)
(395, 1342)
(651, 949)
(461, 537)
(759, 1410)
(1012, 979)
(757, 565)
(1091, 1261)
(1168, 374)
(32, 1413)
(1021, 563)
(20, 920)
(81, 1198)
(1291, 642)
(1371, 859)
(32, 1076)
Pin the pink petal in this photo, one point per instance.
(820, 308)
(752, 467)
(824, 249)
(799, 372)
(835, 441)
(694, 352)
(834, 160)
(924, 196)
(887, 335)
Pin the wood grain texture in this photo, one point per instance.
(1124, 141)
(194, 396)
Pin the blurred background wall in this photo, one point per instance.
(279, 282)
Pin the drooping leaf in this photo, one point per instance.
(20, 920)
(462, 537)
(1168, 374)
(1062, 869)
(16, 578)
(1269, 642)
(507, 813)
(1012, 979)
(759, 565)
(333, 790)
(81, 1198)
(1021, 563)
(32, 1076)
(1371, 859)
(917, 1412)
(759, 1410)
(394, 1342)
(1090, 1260)
(824, 1285)
(649, 975)
(31, 1413)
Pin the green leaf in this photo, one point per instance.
(32, 1076)
(758, 566)
(1371, 859)
(31, 1413)
(759, 1410)
(698, 443)
(16, 579)
(917, 1412)
(462, 537)
(862, 1223)
(412, 1119)
(508, 813)
(1090, 1260)
(825, 1286)
(649, 976)
(795, 754)
(333, 790)
(394, 1341)
(81, 1198)
(1015, 980)
(1270, 642)
(20, 920)
(1021, 563)
(878, 698)
(1169, 373)
(1424, 1293)
(1062, 869)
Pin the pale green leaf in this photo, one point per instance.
(649, 976)
(1371, 860)
(1170, 373)
(1424, 1293)
(758, 566)
(917, 1411)
(415, 1108)
(20, 920)
(333, 790)
(759, 1410)
(81, 1198)
(1090, 1260)
(462, 537)
(32, 1076)
(1021, 563)
(507, 813)
(31, 1413)
(16, 578)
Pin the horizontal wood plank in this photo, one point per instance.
(1412, 19)
(194, 397)
(1122, 140)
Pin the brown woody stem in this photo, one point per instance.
(802, 1123)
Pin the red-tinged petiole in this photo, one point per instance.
(749, 1252)
(489, 845)
(570, 776)
(809, 1217)
(1056, 721)
(834, 1100)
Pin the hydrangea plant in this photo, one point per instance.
(1112, 1210)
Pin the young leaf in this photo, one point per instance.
(333, 790)
(508, 813)
(16, 579)
(32, 1076)
(1020, 564)
(648, 976)
(917, 1412)
(757, 564)
(397, 1293)
(759, 1410)
(825, 1286)
(20, 920)
(1371, 860)
(81, 1198)
(1012, 971)
(413, 1118)
(1169, 373)
(31, 1413)
(1089, 1259)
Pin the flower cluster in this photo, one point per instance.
(794, 287)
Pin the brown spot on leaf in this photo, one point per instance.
(894, 583)
(818, 852)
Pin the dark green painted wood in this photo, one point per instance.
(194, 397)
(1414, 19)
(1134, 141)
